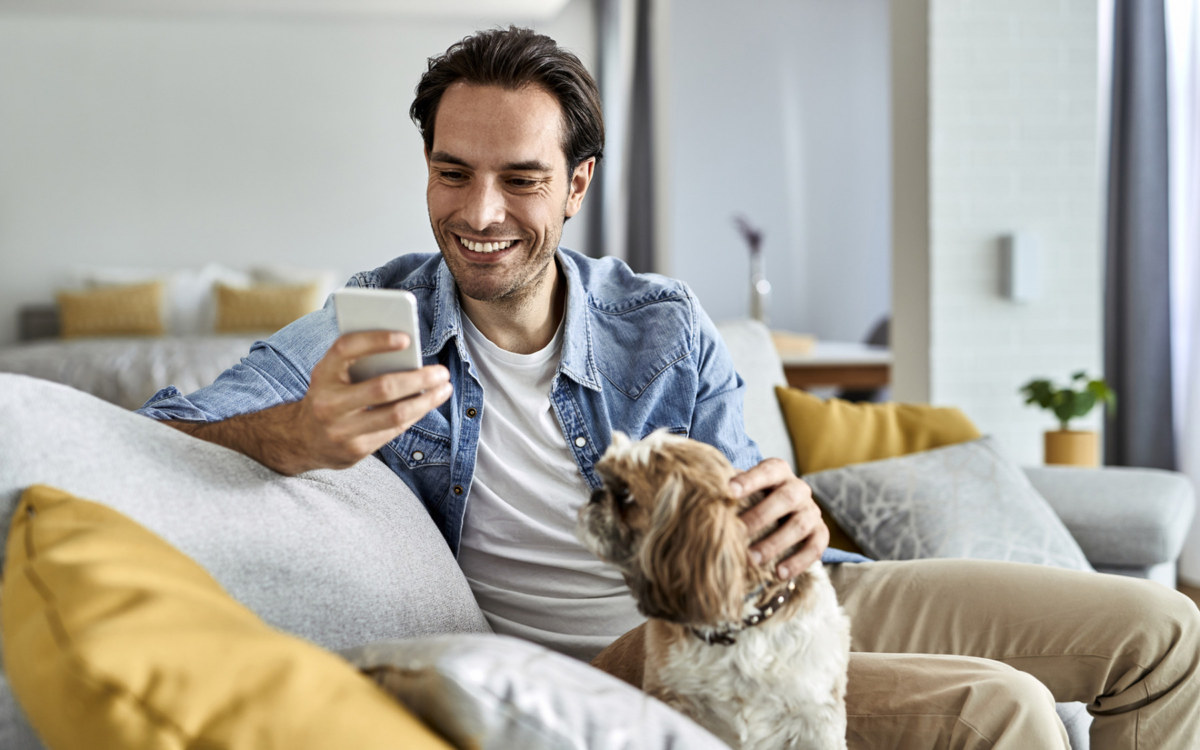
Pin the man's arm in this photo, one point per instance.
(337, 423)
(788, 512)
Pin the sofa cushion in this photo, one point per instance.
(500, 692)
(830, 433)
(964, 500)
(113, 638)
(338, 557)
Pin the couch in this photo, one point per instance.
(235, 587)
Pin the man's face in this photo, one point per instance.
(498, 190)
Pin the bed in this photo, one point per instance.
(122, 334)
(128, 370)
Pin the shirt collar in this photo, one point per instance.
(578, 360)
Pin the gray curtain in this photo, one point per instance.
(622, 196)
(1137, 347)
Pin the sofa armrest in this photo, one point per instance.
(1121, 517)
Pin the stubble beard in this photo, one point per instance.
(513, 293)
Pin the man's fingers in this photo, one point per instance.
(395, 386)
(788, 493)
(808, 554)
(792, 530)
(397, 416)
(767, 474)
(352, 346)
(357, 434)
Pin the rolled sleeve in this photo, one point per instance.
(275, 371)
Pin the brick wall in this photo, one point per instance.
(1013, 145)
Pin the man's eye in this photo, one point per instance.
(451, 175)
(522, 182)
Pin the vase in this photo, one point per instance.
(760, 290)
(1072, 447)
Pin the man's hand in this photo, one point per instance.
(338, 422)
(343, 421)
(789, 504)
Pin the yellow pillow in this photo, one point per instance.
(127, 310)
(834, 433)
(263, 307)
(113, 638)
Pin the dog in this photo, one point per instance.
(759, 662)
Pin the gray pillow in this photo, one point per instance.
(340, 558)
(496, 692)
(964, 500)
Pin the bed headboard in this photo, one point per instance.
(37, 322)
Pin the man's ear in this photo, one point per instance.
(580, 179)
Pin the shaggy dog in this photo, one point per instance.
(759, 662)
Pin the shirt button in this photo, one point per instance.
(417, 455)
(471, 412)
(458, 490)
(580, 442)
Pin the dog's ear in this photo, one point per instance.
(692, 561)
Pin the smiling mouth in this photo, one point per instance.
(486, 247)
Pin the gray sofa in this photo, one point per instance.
(348, 560)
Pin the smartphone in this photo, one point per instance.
(375, 310)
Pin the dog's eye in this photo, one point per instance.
(623, 496)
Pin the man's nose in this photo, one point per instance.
(485, 205)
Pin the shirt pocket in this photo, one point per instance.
(417, 448)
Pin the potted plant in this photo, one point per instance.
(1072, 401)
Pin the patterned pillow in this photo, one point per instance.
(964, 500)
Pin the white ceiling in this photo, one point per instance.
(474, 9)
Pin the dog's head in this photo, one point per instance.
(666, 518)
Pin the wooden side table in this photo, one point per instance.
(810, 363)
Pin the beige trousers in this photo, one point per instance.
(973, 654)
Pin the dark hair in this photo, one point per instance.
(513, 58)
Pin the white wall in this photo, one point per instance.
(1012, 145)
(170, 140)
(779, 110)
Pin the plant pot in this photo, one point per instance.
(1073, 447)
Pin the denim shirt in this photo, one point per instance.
(638, 354)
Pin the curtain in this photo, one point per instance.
(1183, 76)
(622, 195)
(1137, 347)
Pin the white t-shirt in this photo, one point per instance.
(531, 576)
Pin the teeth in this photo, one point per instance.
(485, 247)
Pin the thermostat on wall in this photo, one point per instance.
(1020, 272)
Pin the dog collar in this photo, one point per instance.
(724, 635)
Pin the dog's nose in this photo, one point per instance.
(597, 496)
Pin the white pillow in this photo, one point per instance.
(492, 691)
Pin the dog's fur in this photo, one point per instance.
(667, 520)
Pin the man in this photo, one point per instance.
(535, 355)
